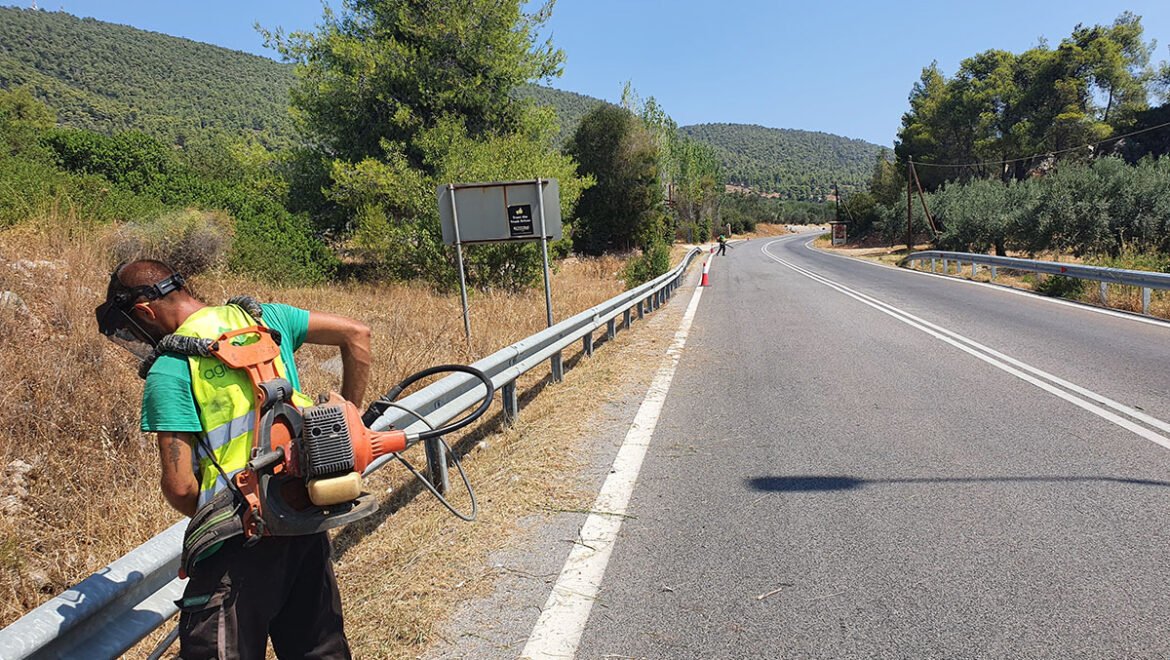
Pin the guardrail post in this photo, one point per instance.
(993, 272)
(974, 269)
(587, 344)
(1105, 294)
(626, 320)
(641, 311)
(558, 368)
(511, 402)
(611, 329)
(437, 464)
(1145, 300)
(933, 265)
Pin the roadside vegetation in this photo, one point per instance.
(1055, 151)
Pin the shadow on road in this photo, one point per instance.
(815, 483)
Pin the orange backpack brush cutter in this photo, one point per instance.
(304, 460)
(305, 471)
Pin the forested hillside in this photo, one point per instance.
(798, 164)
(108, 77)
(569, 106)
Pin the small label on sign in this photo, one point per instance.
(520, 220)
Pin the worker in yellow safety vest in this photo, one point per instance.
(203, 416)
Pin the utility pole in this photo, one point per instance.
(837, 200)
(909, 204)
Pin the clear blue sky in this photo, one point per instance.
(834, 66)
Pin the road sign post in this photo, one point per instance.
(459, 260)
(544, 256)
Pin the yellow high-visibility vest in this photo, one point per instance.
(224, 398)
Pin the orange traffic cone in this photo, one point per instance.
(706, 268)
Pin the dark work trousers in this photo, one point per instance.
(722, 249)
(283, 586)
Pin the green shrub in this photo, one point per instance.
(653, 262)
(279, 246)
(1059, 286)
(31, 190)
(131, 159)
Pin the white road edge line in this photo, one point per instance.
(967, 345)
(1003, 288)
(562, 621)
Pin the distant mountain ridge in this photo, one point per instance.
(108, 77)
(798, 164)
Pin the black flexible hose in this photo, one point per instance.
(469, 517)
(378, 408)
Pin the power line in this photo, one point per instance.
(1047, 153)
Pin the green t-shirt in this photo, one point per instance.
(168, 403)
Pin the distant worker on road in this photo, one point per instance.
(202, 414)
(722, 245)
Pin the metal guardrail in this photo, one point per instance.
(112, 610)
(1146, 280)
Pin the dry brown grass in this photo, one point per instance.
(70, 412)
(409, 573)
(766, 230)
(881, 254)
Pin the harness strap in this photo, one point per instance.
(194, 346)
(248, 304)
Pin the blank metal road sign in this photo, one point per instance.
(500, 211)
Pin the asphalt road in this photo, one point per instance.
(829, 480)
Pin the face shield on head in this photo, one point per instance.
(125, 339)
(114, 319)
